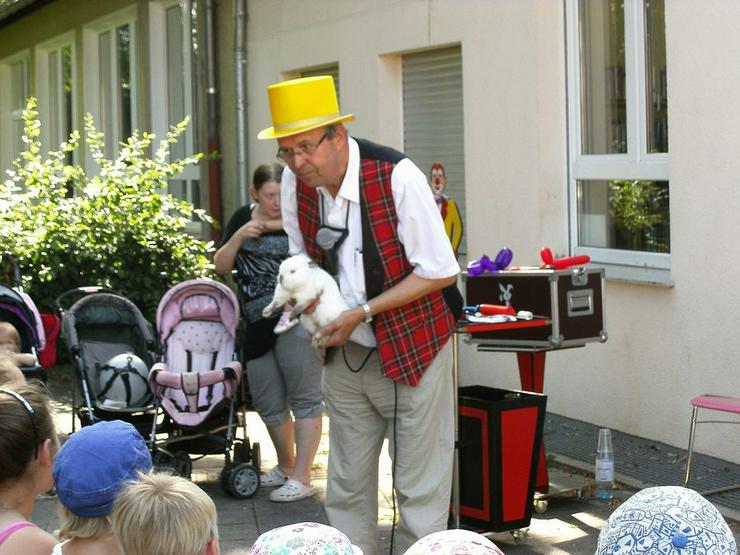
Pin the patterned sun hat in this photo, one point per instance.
(669, 520)
(454, 542)
(304, 538)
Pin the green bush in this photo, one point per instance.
(114, 226)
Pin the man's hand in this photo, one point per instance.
(337, 333)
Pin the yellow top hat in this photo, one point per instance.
(299, 105)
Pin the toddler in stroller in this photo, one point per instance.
(196, 383)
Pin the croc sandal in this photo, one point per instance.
(275, 477)
(292, 490)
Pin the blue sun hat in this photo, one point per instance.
(668, 520)
(93, 464)
(304, 538)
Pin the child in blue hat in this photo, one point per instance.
(88, 472)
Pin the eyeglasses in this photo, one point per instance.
(306, 149)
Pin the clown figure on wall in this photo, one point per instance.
(447, 206)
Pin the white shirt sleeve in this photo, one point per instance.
(420, 225)
(289, 212)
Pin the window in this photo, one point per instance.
(55, 85)
(618, 144)
(14, 91)
(172, 58)
(433, 128)
(110, 77)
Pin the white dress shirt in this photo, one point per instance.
(420, 229)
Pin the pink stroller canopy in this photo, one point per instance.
(197, 299)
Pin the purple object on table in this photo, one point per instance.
(485, 264)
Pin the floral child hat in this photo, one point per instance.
(454, 542)
(667, 519)
(304, 538)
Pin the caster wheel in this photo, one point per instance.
(243, 481)
(183, 466)
(540, 506)
(162, 462)
(518, 536)
(582, 495)
(256, 457)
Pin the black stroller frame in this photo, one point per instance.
(89, 411)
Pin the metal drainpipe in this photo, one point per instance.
(240, 61)
(213, 141)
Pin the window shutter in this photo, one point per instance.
(433, 117)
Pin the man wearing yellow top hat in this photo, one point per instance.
(366, 214)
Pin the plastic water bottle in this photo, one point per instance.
(604, 474)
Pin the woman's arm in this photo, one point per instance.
(224, 257)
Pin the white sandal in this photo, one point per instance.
(292, 490)
(275, 477)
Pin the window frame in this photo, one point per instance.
(636, 163)
(43, 89)
(8, 116)
(91, 59)
(160, 108)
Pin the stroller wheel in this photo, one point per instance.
(243, 481)
(256, 455)
(182, 464)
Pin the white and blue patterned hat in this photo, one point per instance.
(666, 520)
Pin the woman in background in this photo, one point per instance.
(283, 371)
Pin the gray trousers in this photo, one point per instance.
(361, 410)
(287, 378)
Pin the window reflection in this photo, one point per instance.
(602, 66)
(624, 214)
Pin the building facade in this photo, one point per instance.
(600, 127)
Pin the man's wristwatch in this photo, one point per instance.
(368, 313)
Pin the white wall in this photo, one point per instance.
(665, 344)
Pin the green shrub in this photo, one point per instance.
(114, 226)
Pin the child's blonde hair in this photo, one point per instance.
(73, 526)
(161, 514)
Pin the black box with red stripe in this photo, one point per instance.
(500, 433)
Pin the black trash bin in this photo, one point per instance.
(500, 433)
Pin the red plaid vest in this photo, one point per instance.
(410, 336)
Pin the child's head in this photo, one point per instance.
(666, 519)
(9, 373)
(10, 339)
(27, 433)
(89, 471)
(304, 537)
(162, 514)
(452, 542)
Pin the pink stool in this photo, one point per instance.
(710, 402)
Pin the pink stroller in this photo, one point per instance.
(197, 384)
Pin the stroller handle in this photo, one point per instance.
(62, 302)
